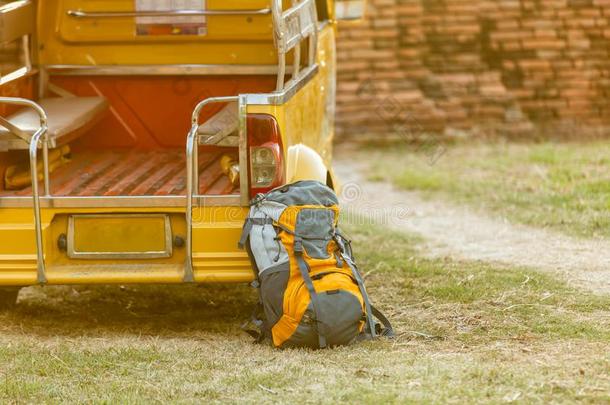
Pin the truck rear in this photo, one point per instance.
(134, 133)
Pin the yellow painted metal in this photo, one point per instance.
(215, 259)
(245, 39)
(306, 126)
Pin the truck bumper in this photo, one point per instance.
(215, 256)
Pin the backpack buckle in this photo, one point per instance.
(257, 199)
(339, 241)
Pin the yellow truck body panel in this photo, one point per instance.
(118, 232)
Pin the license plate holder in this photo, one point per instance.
(119, 236)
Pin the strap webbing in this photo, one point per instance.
(370, 325)
(250, 222)
(387, 331)
(304, 269)
(257, 320)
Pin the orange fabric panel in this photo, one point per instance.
(151, 112)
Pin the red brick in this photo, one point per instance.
(547, 60)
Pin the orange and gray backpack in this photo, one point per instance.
(310, 291)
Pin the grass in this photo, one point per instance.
(561, 186)
(467, 332)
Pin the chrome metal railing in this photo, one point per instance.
(291, 27)
(192, 175)
(39, 136)
(164, 13)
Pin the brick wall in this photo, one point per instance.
(509, 67)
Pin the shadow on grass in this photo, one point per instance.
(159, 310)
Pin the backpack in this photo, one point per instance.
(311, 293)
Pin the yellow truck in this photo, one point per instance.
(133, 133)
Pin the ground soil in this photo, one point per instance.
(459, 232)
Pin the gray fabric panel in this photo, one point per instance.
(266, 250)
(306, 334)
(344, 312)
(273, 285)
(315, 227)
(271, 209)
(276, 252)
(308, 192)
(258, 248)
(280, 266)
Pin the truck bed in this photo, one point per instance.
(158, 172)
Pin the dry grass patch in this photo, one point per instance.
(467, 332)
(562, 186)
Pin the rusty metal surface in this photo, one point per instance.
(135, 173)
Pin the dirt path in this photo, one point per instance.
(451, 230)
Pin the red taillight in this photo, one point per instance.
(265, 155)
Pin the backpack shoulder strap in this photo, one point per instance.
(313, 295)
(388, 330)
(370, 325)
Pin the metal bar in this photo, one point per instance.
(24, 102)
(291, 88)
(244, 178)
(40, 268)
(15, 130)
(41, 133)
(296, 63)
(177, 202)
(43, 81)
(45, 164)
(303, 16)
(192, 166)
(27, 59)
(281, 71)
(157, 70)
(196, 167)
(313, 37)
(279, 32)
(164, 13)
(312, 49)
(189, 275)
(211, 100)
(295, 9)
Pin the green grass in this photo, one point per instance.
(562, 186)
(467, 332)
